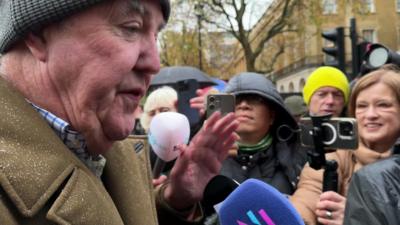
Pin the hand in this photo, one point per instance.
(199, 102)
(200, 161)
(330, 203)
(159, 180)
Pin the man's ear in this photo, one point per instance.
(37, 45)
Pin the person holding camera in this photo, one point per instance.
(373, 195)
(375, 103)
(264, 152)
(267, 148)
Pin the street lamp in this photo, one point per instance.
(198, 10)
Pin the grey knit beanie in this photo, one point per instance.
(19, 17)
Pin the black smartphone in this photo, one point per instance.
(187, 90)
(225, 103)
(337, 133)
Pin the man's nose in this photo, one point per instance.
(148, 60)
(329, 99)
(242, 104)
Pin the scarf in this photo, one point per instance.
(265, 143)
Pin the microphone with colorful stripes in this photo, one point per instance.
(255, 202)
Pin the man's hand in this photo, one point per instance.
(330, 208)
(200, 161)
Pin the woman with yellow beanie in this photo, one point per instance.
(326, 91)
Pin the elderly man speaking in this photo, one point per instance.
(72, 75)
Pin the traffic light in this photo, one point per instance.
(378, 55)
(358, 51)
(337, 51)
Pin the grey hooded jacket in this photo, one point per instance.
(280, 164)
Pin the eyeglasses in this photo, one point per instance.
(251, 99)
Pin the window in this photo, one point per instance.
(329, 7)
(291, 87)
(301, 84)
(369, 6)
(369, 35)
(398, 5)
(282, 89)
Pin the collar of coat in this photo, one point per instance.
(36, 169)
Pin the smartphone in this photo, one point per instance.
(225, 103)
(187, 90)
(337, 133)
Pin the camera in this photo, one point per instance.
(337, 133)
(225, 103)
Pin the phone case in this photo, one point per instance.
(338, 133)
(225, 103)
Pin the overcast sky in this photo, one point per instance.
(257, 9)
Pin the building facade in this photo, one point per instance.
(377, 22)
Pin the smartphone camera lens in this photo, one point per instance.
(345, 128)
(211, 99)
(328, 134)
(211, 106)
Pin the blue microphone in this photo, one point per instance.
(256, 203)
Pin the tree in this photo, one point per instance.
(179, 41)
(228, 15)
(179, 47)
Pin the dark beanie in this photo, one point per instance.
(19, 17)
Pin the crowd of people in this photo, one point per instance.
(72, 78)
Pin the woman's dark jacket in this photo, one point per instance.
(279, 165)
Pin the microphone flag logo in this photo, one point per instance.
(254, 220)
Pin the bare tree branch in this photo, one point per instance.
(252, 48)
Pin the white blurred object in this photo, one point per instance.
(167, 130)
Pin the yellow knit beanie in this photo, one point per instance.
(326, 76)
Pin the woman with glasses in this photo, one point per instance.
(267, 146)
(375, 103)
